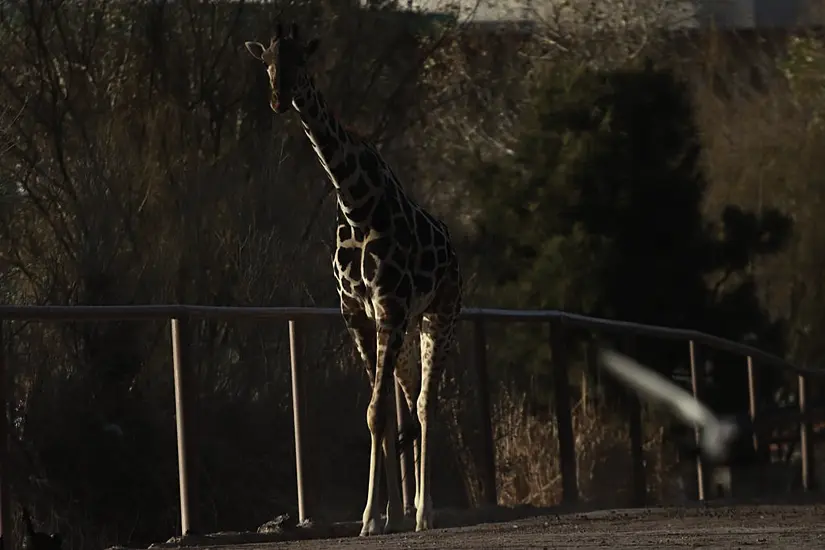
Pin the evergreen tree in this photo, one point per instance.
(598, 211)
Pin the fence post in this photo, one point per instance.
(637, 456)
(489, 454)
(593, 372)
(804, 437)
(296, 418)
(6, 534)
(694, 382)
(183, 408)
(752, 401)
(564, 419)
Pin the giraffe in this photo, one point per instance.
(397, 275)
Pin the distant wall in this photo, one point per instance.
(686, 13)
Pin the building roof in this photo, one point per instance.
(738, 14)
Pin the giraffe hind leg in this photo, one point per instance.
(436, 340)
(408, 375)
(395, 510)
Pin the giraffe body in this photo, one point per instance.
(397, 273)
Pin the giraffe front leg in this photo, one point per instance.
(362, 331)
(389, 342)
(423, 501)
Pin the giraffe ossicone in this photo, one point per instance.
(397, 273)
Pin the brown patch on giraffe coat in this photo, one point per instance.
(360, 188)
(406, 287)
(426, 260)
(362, 214)
(441, 256)
(381, 220)
(404, 239)
(368, 161)
(346, 168)
(349, 259)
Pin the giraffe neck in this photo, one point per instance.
(341, 154)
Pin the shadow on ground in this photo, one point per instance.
(282, 529)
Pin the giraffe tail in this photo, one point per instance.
(407, 435)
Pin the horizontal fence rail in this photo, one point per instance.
(560, 322)
(143, 312)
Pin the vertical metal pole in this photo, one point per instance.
(804, 439)
(480, 360)
(407, 457)
(564, 418)
(5, 469)
(592, 367)
(752, 400)
(636, 436)
(183, 389)
(296, 418)
(694, 382)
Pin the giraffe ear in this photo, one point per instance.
(256, 49)
(311, 47)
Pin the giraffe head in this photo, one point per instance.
(285, 59)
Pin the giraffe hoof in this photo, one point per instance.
(424, 522)
(371, 527)
(424, 515)
(423, 526)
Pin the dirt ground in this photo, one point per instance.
(718, 527)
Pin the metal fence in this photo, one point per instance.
(181, 315)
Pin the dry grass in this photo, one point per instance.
(760, 151)
(527, 453)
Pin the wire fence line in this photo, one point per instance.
(180, 316)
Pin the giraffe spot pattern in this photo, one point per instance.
(362, 214)
(360, 189)
(427, 260)
(344, 233)
(343, 170)
(404, 238)
(381, 220)
(368, 161)
(394, 263)
(348, 260)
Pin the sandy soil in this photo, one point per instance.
(718, 527)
